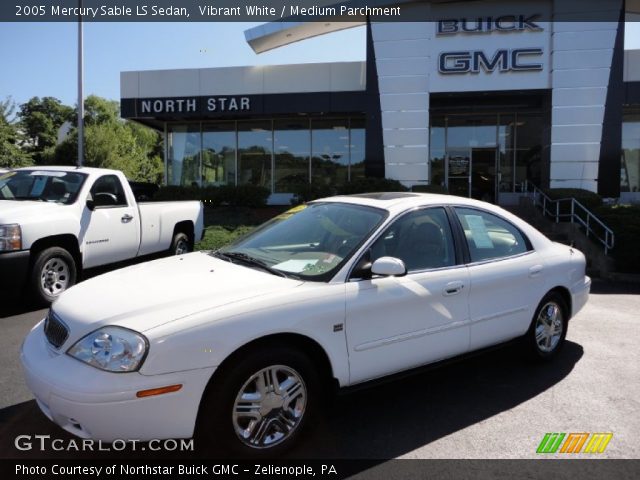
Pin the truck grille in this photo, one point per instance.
(55, 330)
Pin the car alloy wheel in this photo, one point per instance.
(269, 406)
(549, 327)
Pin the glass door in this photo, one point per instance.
(458, 166)
(483, 174)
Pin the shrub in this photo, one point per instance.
(176, 193)
(310, 191)
(625, 223)
(587, 198)
(239, 196)
(430, 189)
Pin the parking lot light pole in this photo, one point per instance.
(80, 89)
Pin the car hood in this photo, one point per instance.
(148, 295)
(16, 211)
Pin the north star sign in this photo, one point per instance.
(501, 60)
(194, 105)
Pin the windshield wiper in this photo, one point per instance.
(248, 259)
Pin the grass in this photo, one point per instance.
(224, 224)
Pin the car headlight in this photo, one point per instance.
(113, 349)
(10, 237)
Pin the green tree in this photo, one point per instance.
(98, 110)
(111, 142)
(117, 145)
(40, 120)
(11, 153)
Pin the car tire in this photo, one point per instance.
(54, 271)
(548, 329)
(180, 244)
(261, 405)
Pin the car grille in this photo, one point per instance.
(55, 330)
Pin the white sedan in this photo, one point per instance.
(239, 345)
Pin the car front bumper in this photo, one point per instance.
(15, 269)
(91, 403)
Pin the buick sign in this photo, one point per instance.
(504, 23)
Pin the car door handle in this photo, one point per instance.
(452, 288)
(126, 218)
(535, 271)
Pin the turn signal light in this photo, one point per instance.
(158, 391)
(10, 237)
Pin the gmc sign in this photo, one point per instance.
(503, 60)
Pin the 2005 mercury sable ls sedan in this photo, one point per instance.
(240, 344)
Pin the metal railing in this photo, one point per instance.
(577, 213)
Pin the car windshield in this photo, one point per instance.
(310, 242)
(41, 185)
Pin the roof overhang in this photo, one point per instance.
(278, 34)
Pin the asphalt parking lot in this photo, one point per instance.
(497, 405)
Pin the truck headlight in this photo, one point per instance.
(10, 237)
(113, 349)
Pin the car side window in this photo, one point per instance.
(108, 191)
(489, 236)
(421, 239)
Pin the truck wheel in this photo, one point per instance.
(180, 244)
(54, 271)
(262, 405)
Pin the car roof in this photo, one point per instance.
(398, 201)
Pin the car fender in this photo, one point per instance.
(313, 311)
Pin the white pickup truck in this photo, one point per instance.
(57, 221)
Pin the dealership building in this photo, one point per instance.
(485, 96)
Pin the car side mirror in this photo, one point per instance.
(91, 205)
(389, 267)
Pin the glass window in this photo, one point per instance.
(255, 141)
(630, 168)
(219, 153)
(437, 150)
(357, 148)
(310, 241)
(489, 236)
(110, 188)
(46, 185)
(506, 141)
(471, 130)
(292, 146)
(529, 148)
(330, 151)
(421, 239)
(183, 156)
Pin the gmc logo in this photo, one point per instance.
(503, 60)
(505, 23)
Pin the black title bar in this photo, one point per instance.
(267, 11)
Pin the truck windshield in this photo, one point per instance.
(310, 242)
(41, 185)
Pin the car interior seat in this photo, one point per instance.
(423, 246)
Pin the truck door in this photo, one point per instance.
(110, 230)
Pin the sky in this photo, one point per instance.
(39, 59)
